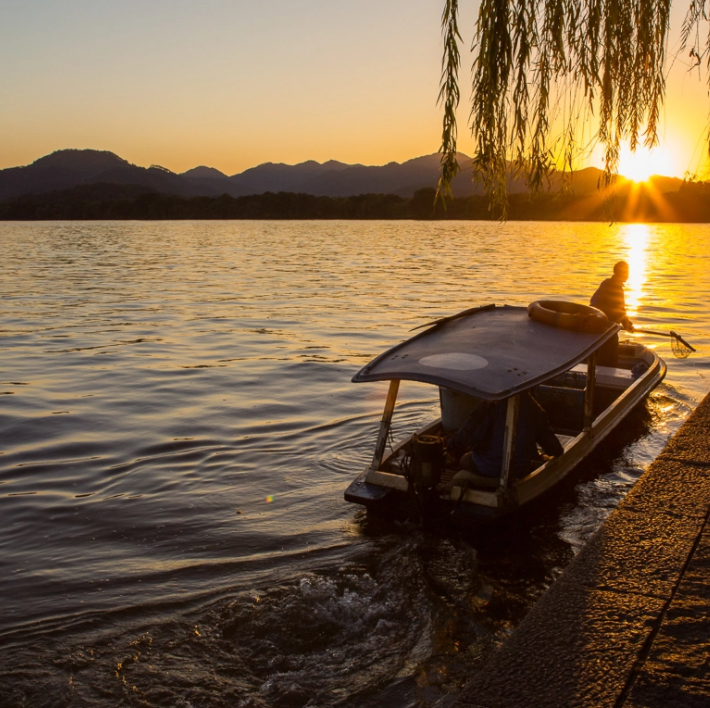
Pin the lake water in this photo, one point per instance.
(177, 428)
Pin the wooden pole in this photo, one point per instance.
(511, 423)
(385, 425)
(589, 391)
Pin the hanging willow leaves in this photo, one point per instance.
(449, 95)
(548, 65)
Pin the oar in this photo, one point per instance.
(441, 320)
(675, 336)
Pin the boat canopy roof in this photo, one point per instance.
(492, 352)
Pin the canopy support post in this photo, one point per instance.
(511, 424)
(589, 392)
(385, 425)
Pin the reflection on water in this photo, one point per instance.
(636, 238)
(178, 427)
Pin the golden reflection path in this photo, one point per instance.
(636, 239)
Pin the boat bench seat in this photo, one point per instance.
(609, 376)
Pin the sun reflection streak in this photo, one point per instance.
(636, 238)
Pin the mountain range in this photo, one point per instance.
(66, 169)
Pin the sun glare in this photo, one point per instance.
(638, 166)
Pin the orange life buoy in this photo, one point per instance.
(568, 315)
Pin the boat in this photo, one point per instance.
(496, 354)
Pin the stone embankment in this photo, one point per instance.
(627, 625)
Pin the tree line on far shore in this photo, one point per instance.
(131, 202)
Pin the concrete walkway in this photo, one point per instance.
(628, 623)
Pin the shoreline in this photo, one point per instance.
(104, 201)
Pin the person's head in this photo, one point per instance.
(621, 271)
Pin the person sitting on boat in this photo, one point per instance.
(609, 298)
(483, 435)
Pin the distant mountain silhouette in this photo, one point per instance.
(70, 168)
(203, 172)
(336, 179)
(66, 169)
(278, 177)
(57, 171)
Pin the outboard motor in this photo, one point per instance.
(428, 461)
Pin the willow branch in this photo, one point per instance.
(449, 95)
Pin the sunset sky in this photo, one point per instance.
(234, 83)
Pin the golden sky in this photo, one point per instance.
(234, 83)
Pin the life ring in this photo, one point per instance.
(568, 315)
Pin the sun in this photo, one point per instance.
(638, 166)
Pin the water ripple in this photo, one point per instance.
(178, 425)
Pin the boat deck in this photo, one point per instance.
(448, 474)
